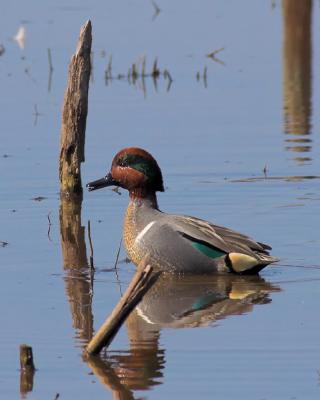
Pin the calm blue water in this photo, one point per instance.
(254, 339)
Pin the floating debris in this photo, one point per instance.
(116, 190)
(167, 75)
(2, 50)
(294, 178)
(265, 170)
(213, 57)
(50, 69)
(20, 37)
(157, 10)
(203, 77)
(36, 115)
(49, 226)
(27, 72)
(39, 198)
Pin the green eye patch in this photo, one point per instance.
(139, 163)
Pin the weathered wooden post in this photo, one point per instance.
(72, 233)
(74, 116)
(27, 369)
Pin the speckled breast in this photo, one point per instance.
(130, 232)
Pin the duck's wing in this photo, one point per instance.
(222, 238)
(244, 252)
(199, 230)
(237, 238)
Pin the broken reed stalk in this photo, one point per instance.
(91, 246)
(139, 285)
(74, 115)
(143, 69)
(134, 73)
(118, 253)
(50, 60)
(155, 70)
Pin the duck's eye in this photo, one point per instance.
(123, 162)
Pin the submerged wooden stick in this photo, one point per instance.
(139, 285)
(74, 115)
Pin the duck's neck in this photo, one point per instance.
(140, 197)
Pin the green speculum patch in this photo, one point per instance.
(208, 250)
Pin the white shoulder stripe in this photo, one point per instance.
(144, 231)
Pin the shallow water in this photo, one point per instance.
(241, 150)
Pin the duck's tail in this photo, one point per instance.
(247, 264)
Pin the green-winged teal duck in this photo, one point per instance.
(176, 243)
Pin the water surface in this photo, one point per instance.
(239, 148)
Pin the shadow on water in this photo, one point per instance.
(297, 78)
(78, 279)
(173, 302)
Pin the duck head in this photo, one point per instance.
(133, 169)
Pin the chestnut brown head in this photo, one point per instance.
(133, 169)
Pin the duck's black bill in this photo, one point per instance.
(101, 183)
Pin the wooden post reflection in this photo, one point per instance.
(26, 382)
(145, 354)
(297, 58)
(77, 275)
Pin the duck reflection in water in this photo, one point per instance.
(174, 302)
